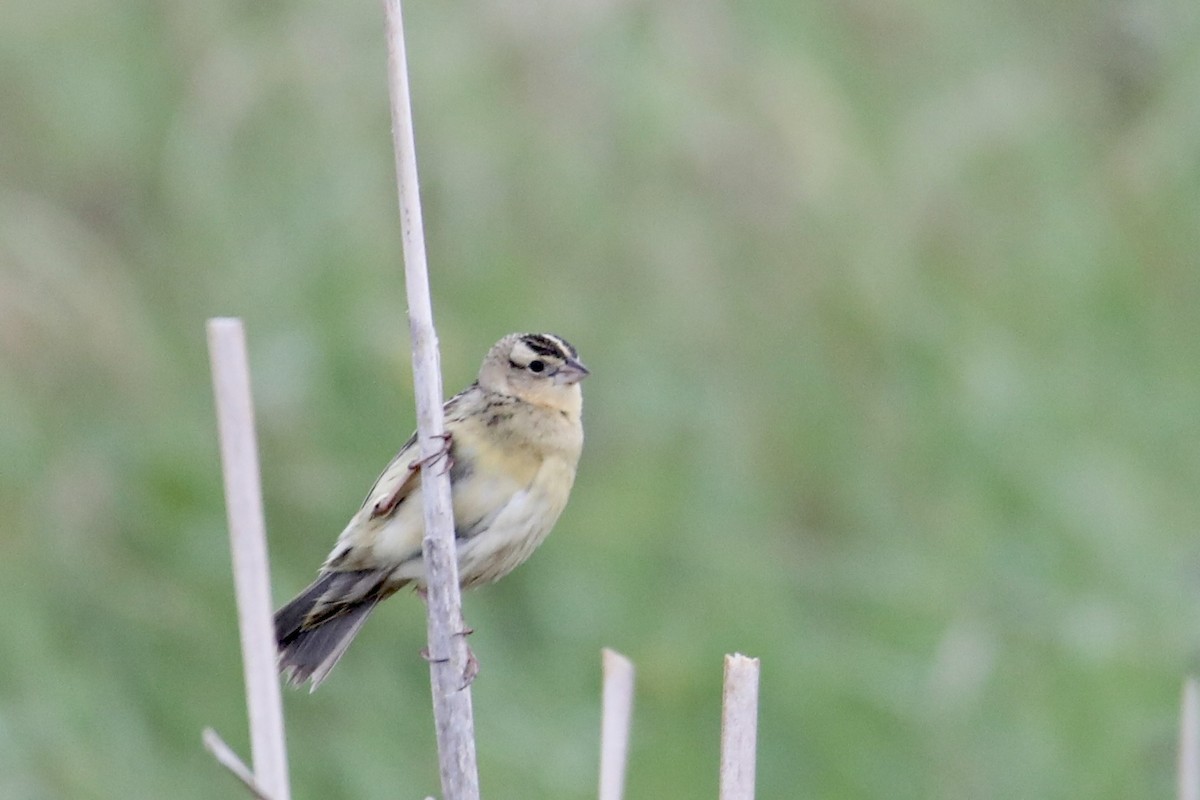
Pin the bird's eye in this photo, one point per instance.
(537, 366)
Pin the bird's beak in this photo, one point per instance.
(573, 371)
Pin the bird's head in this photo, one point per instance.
(539, 368)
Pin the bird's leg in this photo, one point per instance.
(442, 452)
(471, 668)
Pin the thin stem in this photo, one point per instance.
(228, 759)
(615, 723)
(1189, 742)
(739, 728)
(247, 540)
(453, 714)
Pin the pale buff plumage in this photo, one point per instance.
(514, 441)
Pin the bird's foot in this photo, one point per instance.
(471, 668)
(424, 653)
(443, 452)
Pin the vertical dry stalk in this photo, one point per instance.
(739, 728)
(1189, 742)
(453, 714)
(614, 723)
(247, 534)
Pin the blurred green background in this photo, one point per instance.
(893, 313)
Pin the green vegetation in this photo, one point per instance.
(892, 312)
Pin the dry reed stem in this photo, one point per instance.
(453, 713)
(1189, 742)
(615, 723)
(228, 759)
(247, 540)
(739, 728)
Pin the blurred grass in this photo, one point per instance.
(891, 311)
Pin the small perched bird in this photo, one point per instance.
(513, 440)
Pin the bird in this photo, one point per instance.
(513, 440)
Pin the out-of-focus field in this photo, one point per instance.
(893, 313)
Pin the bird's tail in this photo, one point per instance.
(314, 630)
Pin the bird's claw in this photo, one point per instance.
(470, 669)
(443, 452)
(424, 653)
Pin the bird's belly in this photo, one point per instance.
(512, 537)
(497, 527)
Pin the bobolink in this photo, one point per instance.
(514, 438)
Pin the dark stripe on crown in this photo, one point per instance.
(549, 345)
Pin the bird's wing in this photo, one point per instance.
(402, 476)
(400, 480)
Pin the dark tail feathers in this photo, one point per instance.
(314, 630)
